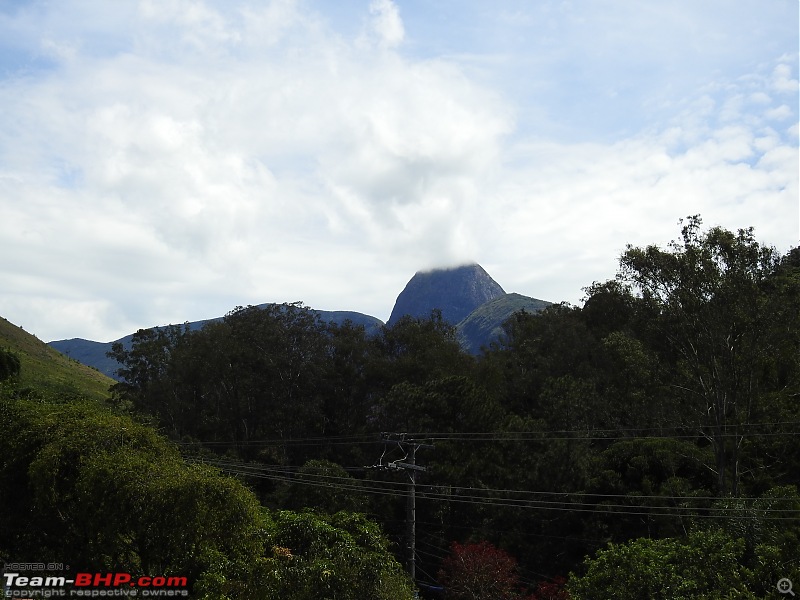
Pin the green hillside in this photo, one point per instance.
(485, 324)
(47, 370)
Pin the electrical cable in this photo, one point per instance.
(516, 436)
(500, 501)
(434, 487)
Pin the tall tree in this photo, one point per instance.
(713, 313)
(145, 367)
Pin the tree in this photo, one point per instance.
(416, 350)
(706, 564)
(9, 364)
(714, 316)
(449, 404)
(649, 485)
(145, 371)
(539, 353)
(81, 482)
(479, 571)
(341, 557)
(326, 487)
(276, 355)
(255, 374)
(554, 589)
(346, 396)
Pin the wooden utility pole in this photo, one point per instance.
(409, 447)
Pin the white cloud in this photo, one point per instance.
(62, 52)
(199, 27)
(782, 80)
(385, 23)
(780, 113)
(229, 153)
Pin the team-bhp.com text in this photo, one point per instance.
(93, 585)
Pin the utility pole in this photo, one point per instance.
(409, 447)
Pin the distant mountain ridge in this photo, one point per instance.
(468, 298)
(94, 354)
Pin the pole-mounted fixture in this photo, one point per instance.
(408, 463)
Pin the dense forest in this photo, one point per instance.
(644, 445)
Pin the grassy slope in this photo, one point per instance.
(47, 370)
(485, 323)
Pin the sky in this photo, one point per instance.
(164, 161)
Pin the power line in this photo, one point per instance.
(452, 488)
(562, 506)
(520, 533)
(613, 434)
(608, 430)
(312, 441)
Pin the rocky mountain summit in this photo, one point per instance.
(456, 292)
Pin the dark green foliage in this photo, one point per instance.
(707, 564)
(108, 493)
(668, 404)
(450, 404)
(716, 322)
(325, 487)
(100, 355)
(771, 520)
(540, 354)
(417, 350)
(252, 375)
(9, 364)
(148, 367)
(652, 487)
(341, 557)
(278, 373)
(79, 483)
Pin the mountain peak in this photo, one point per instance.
(456, 291)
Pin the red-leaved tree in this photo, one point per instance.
(550, 590)
(479, 572)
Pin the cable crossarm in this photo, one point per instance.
(408, 463)
(405, 444)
